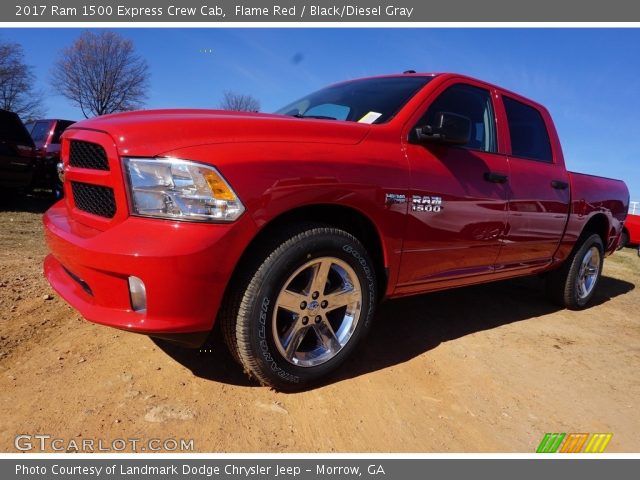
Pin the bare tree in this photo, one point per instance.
(239, 102)
(101, 73)
(17, 90)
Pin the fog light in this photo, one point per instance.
(138, 294)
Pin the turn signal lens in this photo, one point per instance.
(218, 186)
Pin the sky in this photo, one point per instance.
(589, 79)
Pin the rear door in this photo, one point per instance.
(457, 203)
(538, 184)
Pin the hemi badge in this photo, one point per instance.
(394, 198)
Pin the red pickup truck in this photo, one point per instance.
(289, 228)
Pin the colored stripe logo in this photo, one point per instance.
(574, 443)
(598, 442)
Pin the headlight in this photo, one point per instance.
(180, 190)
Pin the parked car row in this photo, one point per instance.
(29, 153)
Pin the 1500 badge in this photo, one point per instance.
(426, 203)
(419, 203)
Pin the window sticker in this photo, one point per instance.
(370, 117)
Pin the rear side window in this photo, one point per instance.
(529, 136)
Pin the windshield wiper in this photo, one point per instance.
(321, 117)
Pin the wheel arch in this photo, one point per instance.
(343, 217)
(600, 225)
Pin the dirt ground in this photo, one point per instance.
(481, 369)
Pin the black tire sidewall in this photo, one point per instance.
(275, 272)
(624, 240)
(575, 300)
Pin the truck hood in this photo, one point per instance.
(155, 132)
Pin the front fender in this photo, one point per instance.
(274, 178)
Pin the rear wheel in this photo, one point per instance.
(573, 285)
(303, 309)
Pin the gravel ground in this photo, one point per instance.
(481, 369)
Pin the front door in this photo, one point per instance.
(458, 199)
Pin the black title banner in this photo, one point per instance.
(336, 11)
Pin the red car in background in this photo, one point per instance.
(631, 232)
(46, 138)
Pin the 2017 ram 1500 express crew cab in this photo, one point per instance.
(289, 228)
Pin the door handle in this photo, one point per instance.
(495, 177)
(559, 185)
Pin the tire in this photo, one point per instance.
(624, 239)
(301, 312)
(573, 285)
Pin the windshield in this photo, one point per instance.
(372, 100)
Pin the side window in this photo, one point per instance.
(529, 136)
(475, 104)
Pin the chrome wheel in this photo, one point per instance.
(588, 273)
(317, 311)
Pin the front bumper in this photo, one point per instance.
(184, 266)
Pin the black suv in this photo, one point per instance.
(17, 153)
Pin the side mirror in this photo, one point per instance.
(449, 128)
